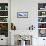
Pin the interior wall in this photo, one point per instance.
(30, 6)
(24, 6)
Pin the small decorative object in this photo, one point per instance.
(43, 13)
(3, 19)
(0, 7)
(45, 7)
(40, 19)
(42, 25)
(13, 27)
(6, 7)
(22, 14)
(42, 32)
(31, 27)
(41, 8)
(43, 39)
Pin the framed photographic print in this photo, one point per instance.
(22, 14)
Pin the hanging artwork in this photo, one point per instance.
(22, 14)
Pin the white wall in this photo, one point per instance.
(24, 6)
(30, 6)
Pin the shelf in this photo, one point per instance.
(3, 10)
(42, 19)
(3, 22)
(4, 19)
(41, 10)
(3, 16)
(41, 28)
(42, 16)
(41, 22)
